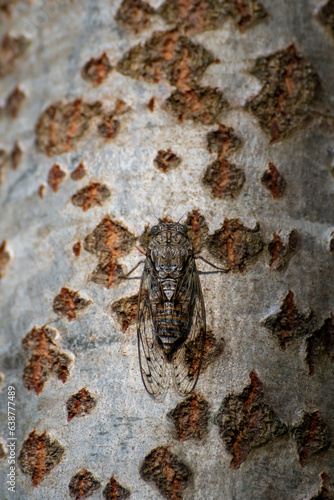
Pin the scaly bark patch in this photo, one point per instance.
(191, 418)
(324, 493)
(134, 15)
(197, 229)
(126, 311)
(80, 404)
(90, 196)
(281, 250)
(320, 343)
(312, 437)
(166, 160)
(56, 176)
(79, 172)
(68, 304)
(114, 491)
(273, 181)
(83, 484)
(96, 70)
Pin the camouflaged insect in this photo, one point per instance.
(171, 313)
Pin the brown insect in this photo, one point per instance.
(171, 313)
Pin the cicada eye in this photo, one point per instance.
(184, 228)
(154, 229)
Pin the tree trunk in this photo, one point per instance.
(114, 114)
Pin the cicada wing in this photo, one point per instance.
(187, 360)
(152, 361)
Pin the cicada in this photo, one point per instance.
(171, 314)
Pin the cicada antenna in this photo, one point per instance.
(181, 217)
(151, 213)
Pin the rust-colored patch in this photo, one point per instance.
(83, 484)
(76, 249)
(12, 47)
(15, 156)
(289, 324)
(234, 244)
(191, 418)
(55, 177)
(126, 311)
(223, 177)
(79, 172)
(134, 15)
(166, 160)
(151, 104)
(320, 343)
(273, 181)
(246, 422)
(114, 491)
(324, 493)
(61, 125)
(281, 251)
(4, 259)
(326, 15)
(312, 437)
(96, 70)
(166, 472)
(46, 358)
(68, 304)
(108, 241)
(39, 455)
(80, 404)
(41, 191)
(13, 102)
(197, 229)
(290, 85)
(91, 195)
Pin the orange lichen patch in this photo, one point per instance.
(12, 47)
(55, 176)
(61, 125)
(197, 229)
(114, 491)
(80, 404)
(320, 343)
(167, 472)
(234, 244)
(134, 15)
(289, 324)
(166, 160)
(223, 177)
(281, 251)
(76, 249)
(273, 181)
(68, 304)
(326, 15)
(245, 422)
(126, 311)
(46, 358)
(96, 70)
(108, 241)
(151, 104)
(41, 191)
(4, 259)
(289, 86)
(312, 436)
(13, 102)
(83, 484)
(39, 455)
(91, 195)
(79, 172)
(191, 418)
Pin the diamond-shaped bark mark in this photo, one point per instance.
(96, 70)
(12, 47)
(61, 125)
(289, 87)
(234, 244)
(197, 229)
(114, 491)
(80, 404)
(83, 484)
(166, 472)
(289, 324)
(245, 422)
(273, 181)
(91, 195)
(45, 358)
(108, 241)
(166, 160)
(324, 493)
(213, 348)
(312, 436)
(134, 15)
(13, 102)
(320, 343)
(68, 304)
(109, 126)
(282, 249)
(222, 141)
(79, 172)
(39, 455)
(191, 418)
(326, 15)
(126, 311)
(4, 259)
(196, 16)
(56, 176)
